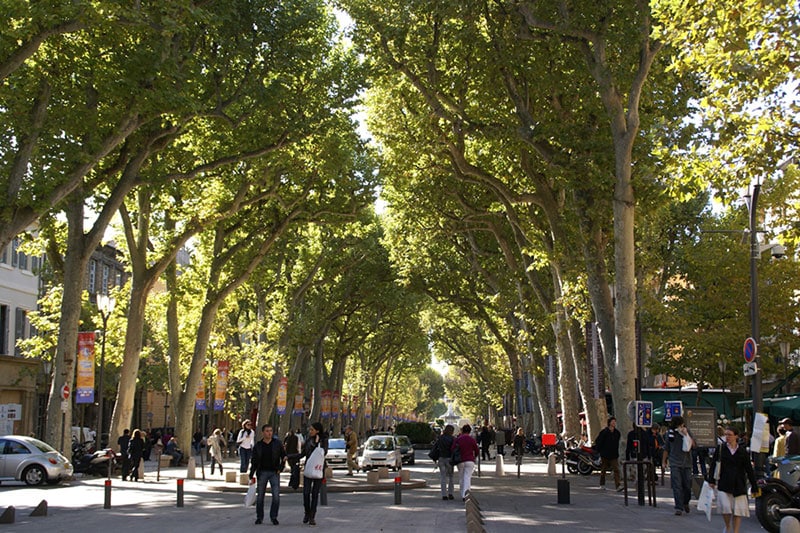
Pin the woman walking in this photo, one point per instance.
(729, 473)
(216, 443)
(135, 452)
(467, 449)
(445, 444)
(311, 486)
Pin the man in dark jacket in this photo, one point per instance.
(607, 445)
(266, 466)
(123, 443)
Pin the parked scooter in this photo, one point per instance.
(776, 495)
(95, 463)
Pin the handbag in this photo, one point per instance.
(687, 443)
(435, 452)
(455, 458)
(314, 468)
(250, 496)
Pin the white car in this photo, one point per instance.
(337, 455)
(380, 450)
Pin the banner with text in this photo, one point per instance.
(84, 381)
(222, 385)
(283, 386)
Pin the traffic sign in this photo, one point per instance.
(750, 349)
(750, 369)
(65, 392)
(672, 409)
(644, 414)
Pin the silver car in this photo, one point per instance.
(337, 455)
(32, 461)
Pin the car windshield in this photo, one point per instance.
(336, 444)
(379, 444)
(42, 446)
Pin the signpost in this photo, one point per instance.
(750, 350)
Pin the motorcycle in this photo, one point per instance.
(776, 495)
(86, 460)
(582, 460)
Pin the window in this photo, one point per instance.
(92, 276)
(16, 448)
(4, 329)
(4, 256)
(20, 323)
(14, 246)
(104, 286)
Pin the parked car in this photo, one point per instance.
(406, 449)
(380, 450)
(337, 455)
(32, 461)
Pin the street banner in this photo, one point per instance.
(283, 385)
(200, 395)
(326, 403)
(353, 406)
(222, 385)
(84, 381)
(368, 408)
(336, 405)
(298, 400)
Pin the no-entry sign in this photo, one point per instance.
(65, 392)
(750, 349)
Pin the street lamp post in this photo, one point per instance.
(785, 354)
(105, 304)
(722, 366)
(755, 254)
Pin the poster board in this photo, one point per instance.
(702, 422)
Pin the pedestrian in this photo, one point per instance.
(245, 442)
(468, 450)
(779, 447)
(123, 441)
(291, 444)
(792, 437)
(445, 444)
(678, 444)
(174, 450)
(311, 486)
(197, 440)
(351, 446)
(730, 471)
(607, 445)
(519, 444)
(216, 443)
(268, 459)
(485, 440)
(135, 452)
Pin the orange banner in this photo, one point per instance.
(84, 380)
(222, 385)
(283, 385)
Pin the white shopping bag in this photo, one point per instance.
(250, 497)
(706, 499)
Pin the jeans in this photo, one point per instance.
(311, 495)
(446, 476)
(681, 480)
(294, 473)
(465, 469)
(244, 458)
(264, 476)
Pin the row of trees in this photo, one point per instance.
(521, 137)
(515, 141)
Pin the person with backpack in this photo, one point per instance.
(441, 450)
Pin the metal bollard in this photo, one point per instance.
(398, 490)
(323, 492)
(180, 493)
(107, 500)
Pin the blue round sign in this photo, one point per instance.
(750, 349)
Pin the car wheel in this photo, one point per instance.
(34, 475)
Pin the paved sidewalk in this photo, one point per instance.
(509, 504)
